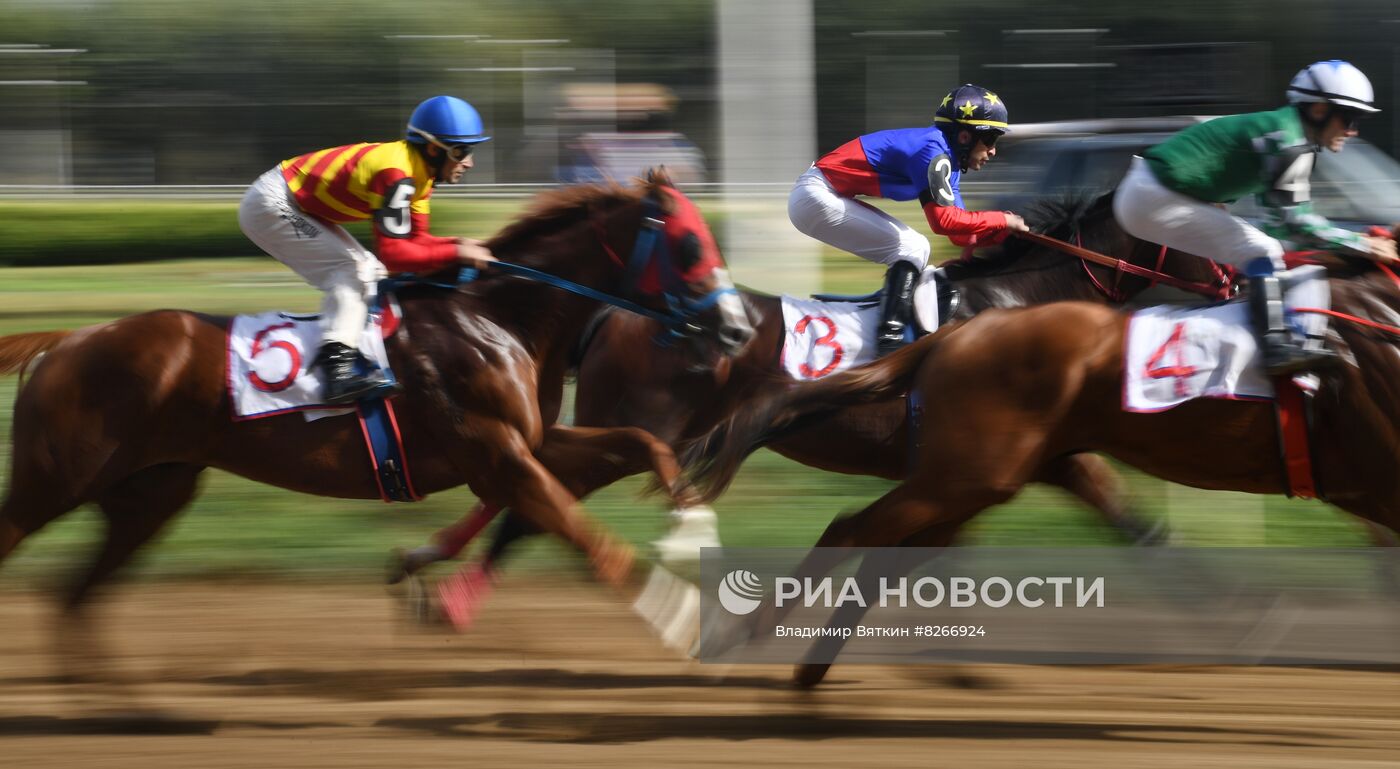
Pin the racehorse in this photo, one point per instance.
(1011, 391)
(673, 399)
(127, 414)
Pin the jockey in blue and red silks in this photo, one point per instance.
(904, 164)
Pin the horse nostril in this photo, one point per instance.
(736, 338)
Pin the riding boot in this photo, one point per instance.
(1283, 353)
(896, 308)
(340, 367)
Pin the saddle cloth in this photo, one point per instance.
(268, 359)
(826, 337)
(1175, 354)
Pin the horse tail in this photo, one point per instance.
(713, 459)
(17, 351)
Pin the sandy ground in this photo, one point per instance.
(563, 675)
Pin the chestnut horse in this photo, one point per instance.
(1012, 391)
(670, 397)
(128, 413)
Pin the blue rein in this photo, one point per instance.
(681, 309)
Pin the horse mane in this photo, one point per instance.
(553, 210)
(1058, 216)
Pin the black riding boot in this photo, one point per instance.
(1283, 354)
(896, 307)
(343, 383)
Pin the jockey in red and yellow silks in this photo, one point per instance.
(295, 212)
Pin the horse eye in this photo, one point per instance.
(689, 251)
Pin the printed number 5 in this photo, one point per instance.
(825, 340)
(395, 218)
(281, 344)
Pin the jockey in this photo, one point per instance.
(903, 164)
(295, 211)
(1175, 194)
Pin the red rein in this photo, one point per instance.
(1220, 289)
(1392, 330)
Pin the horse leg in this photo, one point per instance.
(902, 512)
(809, 674)
(517, 479)
(572, 455)
(1090, 478)
(135, 510)
(23, 513)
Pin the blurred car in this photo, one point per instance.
(1355, 188)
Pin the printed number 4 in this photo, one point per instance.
(1158, 368)
(1294, 179)
(825, 340)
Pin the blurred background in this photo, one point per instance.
(130, 128)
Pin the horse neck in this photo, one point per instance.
(1358, 424)
(549, 320)
(1377, 354)
(1036, 278)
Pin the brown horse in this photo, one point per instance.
(1012, 391)
(670, 397)
(127, 414)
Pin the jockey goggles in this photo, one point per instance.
(1351, 118)
(455, 152)
(989, 138)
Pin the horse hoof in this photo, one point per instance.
(461, 596)
(612, 563)
(406, 563)
(396, 570)
(694, 528)
(809, 675)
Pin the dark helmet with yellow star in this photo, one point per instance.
(970, 108)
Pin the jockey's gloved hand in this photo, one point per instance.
(1381, 249)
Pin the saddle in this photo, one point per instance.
(932, 308)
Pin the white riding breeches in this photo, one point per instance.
(1151, 212)
(324, 254)
(817, 211)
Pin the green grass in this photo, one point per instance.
(237, 527)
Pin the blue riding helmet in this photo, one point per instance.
(445, 120)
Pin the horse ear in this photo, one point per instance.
(659, 177)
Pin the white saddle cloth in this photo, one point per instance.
(823, 338)
(268, 360)
(1175, 354)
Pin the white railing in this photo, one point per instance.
(468, 191)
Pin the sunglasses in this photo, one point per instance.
(455, 152)
(988, 138)
(1350, 118)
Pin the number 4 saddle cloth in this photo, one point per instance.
(1174, 354)
(826, 335)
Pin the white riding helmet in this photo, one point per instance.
(1335, 82)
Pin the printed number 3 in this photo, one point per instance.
(281, 344)
(825, 340)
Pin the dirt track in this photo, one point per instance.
(565, 676)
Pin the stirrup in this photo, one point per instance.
(1288, 359)
(887, 343)
(359, 387)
